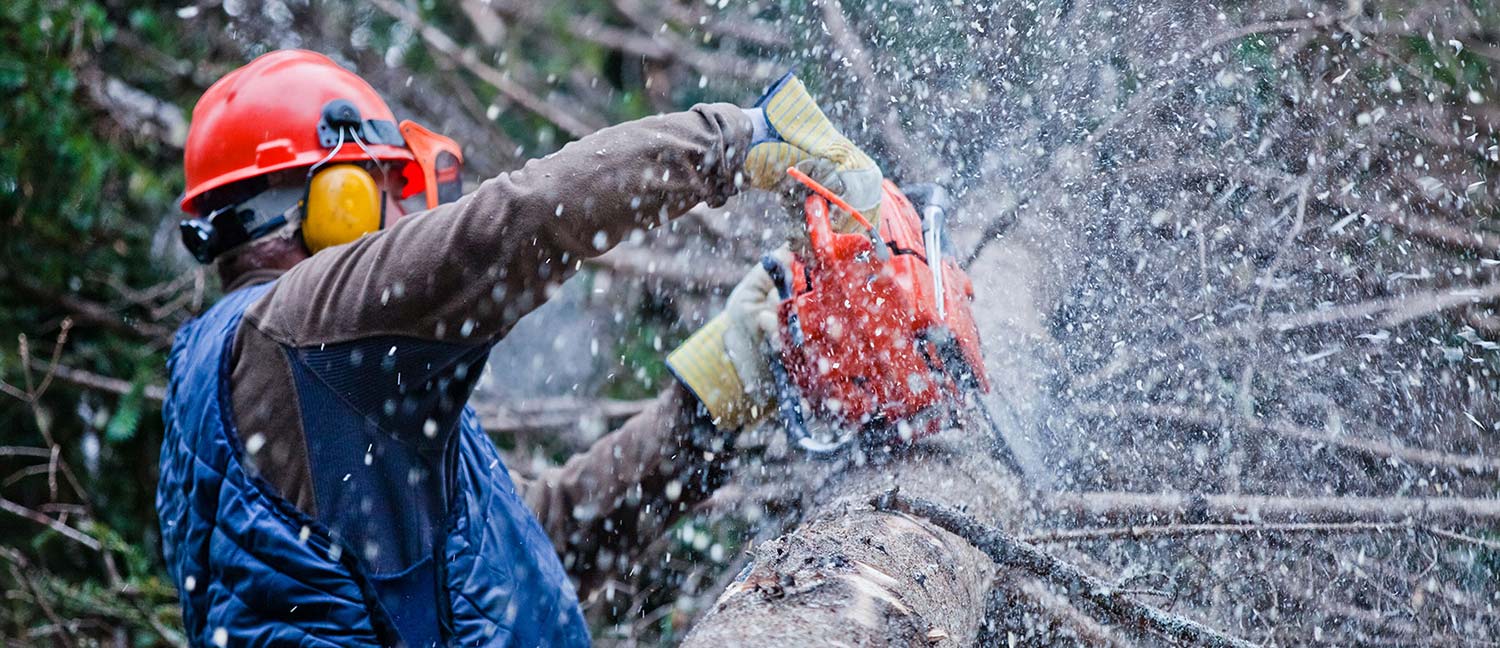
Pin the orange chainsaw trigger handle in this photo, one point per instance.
(828, 195)
(877, 243)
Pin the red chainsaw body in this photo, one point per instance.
(867, 355)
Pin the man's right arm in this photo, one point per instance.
(467, 271)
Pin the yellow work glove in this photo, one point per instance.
(790, 130)
(725, 363)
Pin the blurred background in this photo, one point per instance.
(1265, 233)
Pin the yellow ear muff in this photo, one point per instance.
(343, 204)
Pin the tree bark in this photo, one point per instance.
(852, 575)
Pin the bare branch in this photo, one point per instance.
(1270, 507)
(62, 529)
(574, 125)
(1007, 551)
(93, 313)
(714, 22)
(876, 97)
(648, 264)
(91, 380)
(24, 451)
(1208, 420)
(657, 45)
(553, 413)
(135, 110)
(1384, 312)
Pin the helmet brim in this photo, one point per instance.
(349, 153)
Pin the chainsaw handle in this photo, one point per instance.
(788, 397)
(818, 210)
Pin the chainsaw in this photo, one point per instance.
(877, 334)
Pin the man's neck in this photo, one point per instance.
(256, 276)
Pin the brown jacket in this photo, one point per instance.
(459, 277)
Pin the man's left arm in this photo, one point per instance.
(605, 504)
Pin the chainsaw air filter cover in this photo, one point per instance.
(873, 350)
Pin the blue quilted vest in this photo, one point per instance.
(252, 570)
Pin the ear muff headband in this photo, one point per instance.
(343, 203)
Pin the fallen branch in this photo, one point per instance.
(1122, 505)
(91, 380)
(1208, 420)
(1085, 628)
(1390, 311)
(1149, 531)
(553, 413)
(1007, 551)
(1146, 532)
(84, 311)
(647, 264)
(62, 529)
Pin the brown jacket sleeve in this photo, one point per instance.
(604, 505)
(468, 270)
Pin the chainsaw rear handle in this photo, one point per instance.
(926, 196)
(788, 398)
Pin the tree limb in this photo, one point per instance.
(1007, 551)
(876, 97)
(1145, 532)
(89, 312)
(552, 413)
(574, 125)
(91, 380)
(1122, 505)
(658, 46)
(62, 529)
(1208, 420)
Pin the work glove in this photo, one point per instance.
(726, 363)
(790, 130)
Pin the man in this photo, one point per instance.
(322, 480)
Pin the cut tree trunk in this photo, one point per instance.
(852, 575)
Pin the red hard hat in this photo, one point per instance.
(265, 117)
